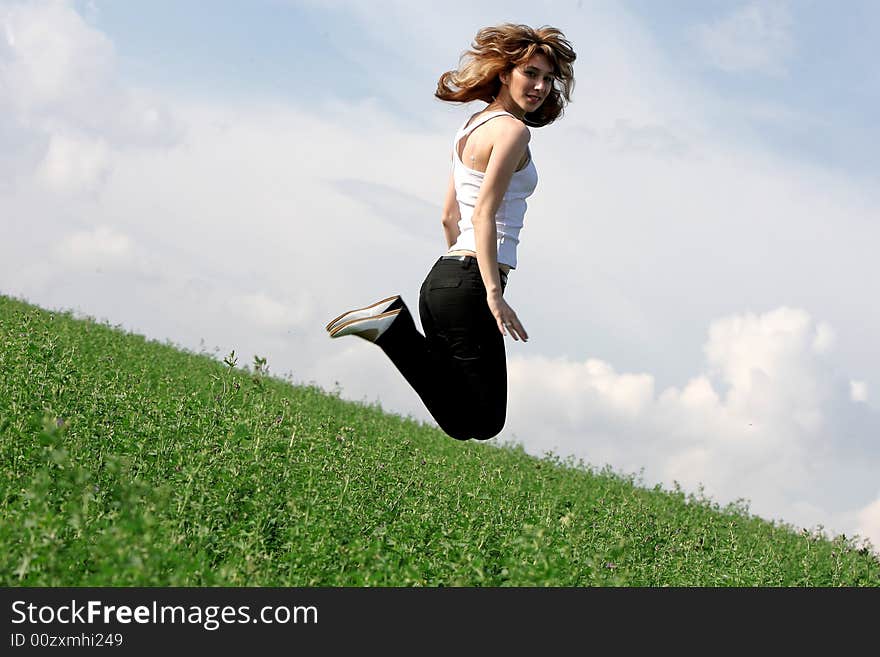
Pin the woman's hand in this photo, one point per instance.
(506, 318)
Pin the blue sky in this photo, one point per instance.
(274, 48)
(696, 266)
(238, 49)
(827, 73)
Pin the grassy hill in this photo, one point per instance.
(126, 462)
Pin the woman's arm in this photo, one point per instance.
(509, 146)
(451, 214)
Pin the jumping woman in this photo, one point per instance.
(459, 367)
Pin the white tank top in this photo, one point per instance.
(510, 214)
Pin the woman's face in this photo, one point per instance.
(529, 83)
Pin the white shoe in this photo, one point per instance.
(368, 328)
(370, 311)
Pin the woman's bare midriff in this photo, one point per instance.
(504, 268)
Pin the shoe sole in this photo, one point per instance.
(330, 328)
(369, 334)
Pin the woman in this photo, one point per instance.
(459, 366)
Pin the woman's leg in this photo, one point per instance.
(459, 367)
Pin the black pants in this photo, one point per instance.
(458, 367)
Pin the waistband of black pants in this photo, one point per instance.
(468, 259)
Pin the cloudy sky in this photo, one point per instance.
(698, 268)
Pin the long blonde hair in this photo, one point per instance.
(501, 48)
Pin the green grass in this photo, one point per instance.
(126, 462)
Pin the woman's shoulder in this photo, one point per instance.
(497, 118)
(510, 127)
(502, 123)
(500, 127)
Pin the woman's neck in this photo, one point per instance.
(500, 106)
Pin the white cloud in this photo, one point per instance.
(869, 524)
(103, 246)
(755, 38)
(858, 391)
(62, 108)
(52, 58)
(263, 310)
(824, 338)
(767, 361)
(763, 434)
(657, 138)
(75, 163)
(577, 386)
